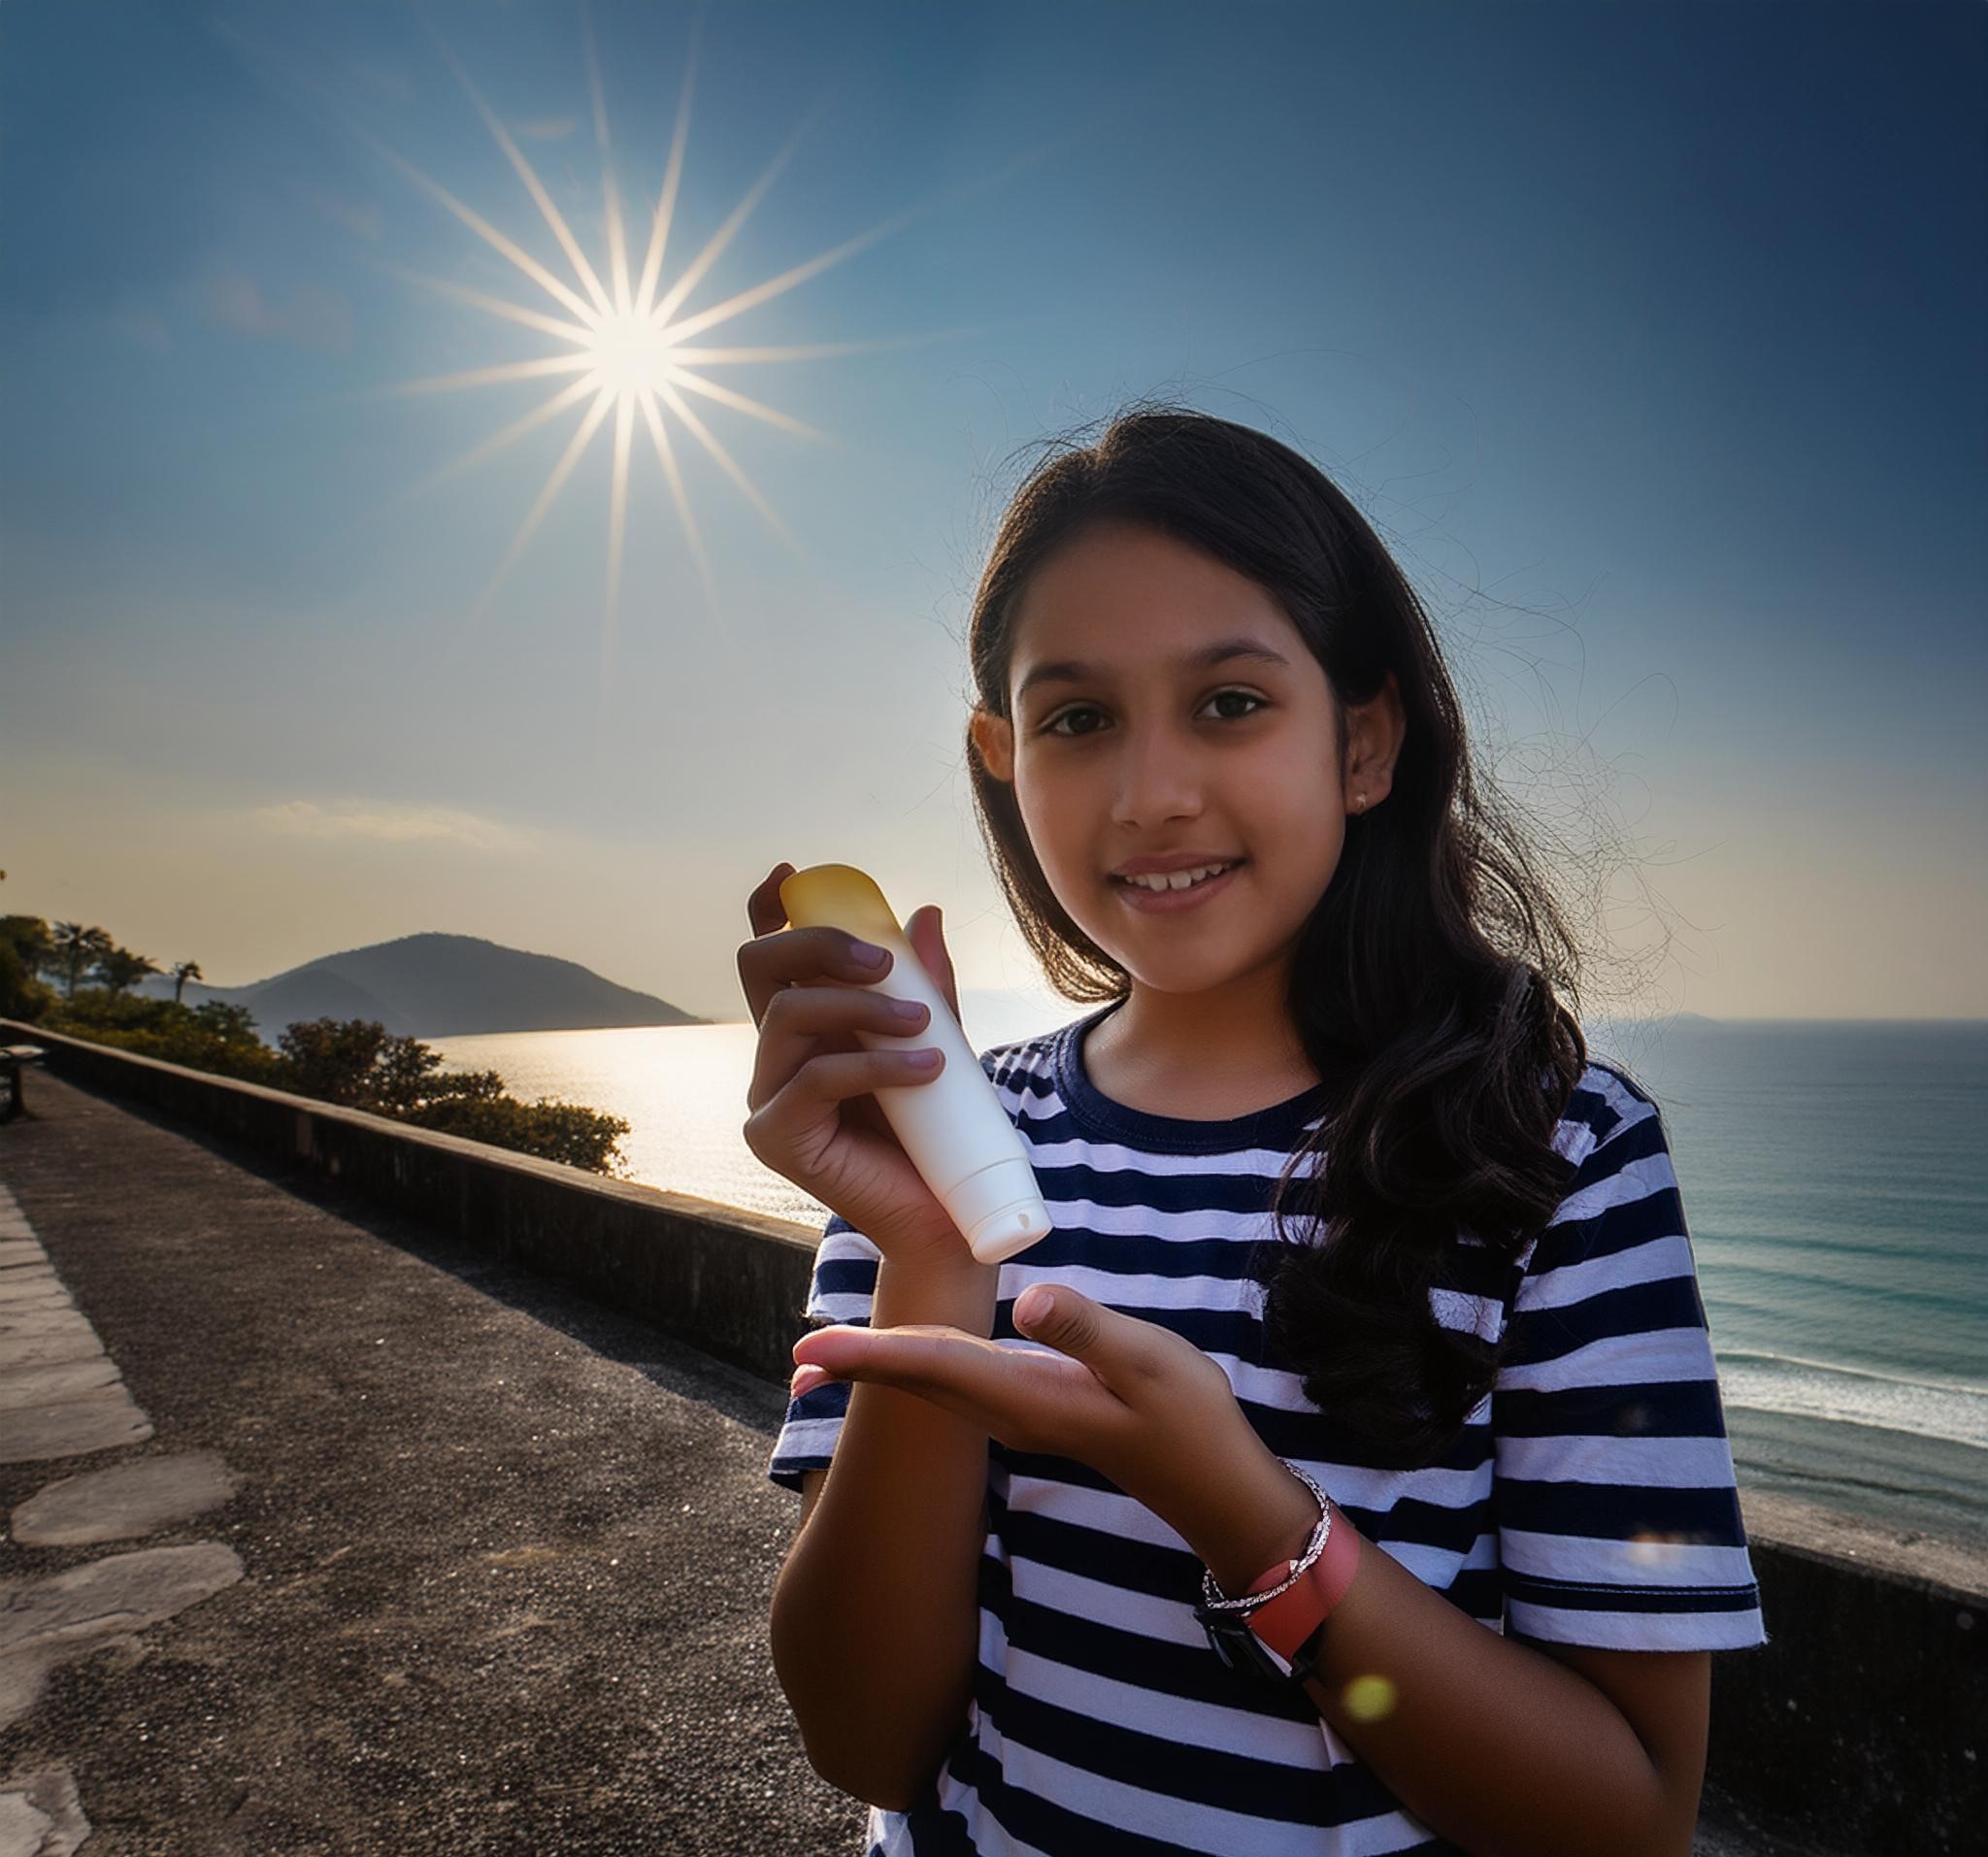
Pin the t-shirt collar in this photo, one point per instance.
(1280, 1125)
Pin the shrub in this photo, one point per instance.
(352, 1062)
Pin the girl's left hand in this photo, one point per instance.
(1136, 1401)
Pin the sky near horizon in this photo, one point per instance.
(1652, 337)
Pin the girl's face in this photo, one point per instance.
(1141, 750)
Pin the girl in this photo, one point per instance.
(1354, 1240)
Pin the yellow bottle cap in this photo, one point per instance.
(838, 896)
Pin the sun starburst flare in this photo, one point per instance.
(627, 350)
(627, 340)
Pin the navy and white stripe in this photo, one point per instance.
(1590, 1499)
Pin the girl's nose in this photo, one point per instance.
(1159, 780)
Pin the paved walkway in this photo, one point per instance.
(330, 1536)
(432, 1555)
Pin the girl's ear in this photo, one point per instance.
(1374, 732)
(994, 739)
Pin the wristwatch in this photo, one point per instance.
(1276, 1630)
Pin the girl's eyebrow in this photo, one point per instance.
(1222, 651)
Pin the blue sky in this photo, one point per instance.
(1650, 336)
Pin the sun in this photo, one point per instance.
(631, 357)
(626, 350)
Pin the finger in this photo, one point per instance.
(1030, 1401)
(803, 1022)
(766, 914)
(763, 908)
(926, 934)
(833, 1076)
(774, 961)
(946, 1365)
(1120, 1350)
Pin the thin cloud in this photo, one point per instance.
(548, 128)
(391, 824)
(307, 315)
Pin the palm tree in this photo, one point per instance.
(121, 970)
(66, 939)
(76, 948)
(184, 972)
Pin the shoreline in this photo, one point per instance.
(1858, 1540)
(1900, 1484)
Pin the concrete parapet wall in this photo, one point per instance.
(1861, 1727)
(728, 1281)
(1862, 1724)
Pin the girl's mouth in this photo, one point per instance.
(1170, 902)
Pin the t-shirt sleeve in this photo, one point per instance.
(1618, 1515)
(842, 1289)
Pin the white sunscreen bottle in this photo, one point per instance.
(953, 1129)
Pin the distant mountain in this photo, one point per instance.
(438, 986)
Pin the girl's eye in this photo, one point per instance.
(1084, 709)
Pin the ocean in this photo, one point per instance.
(1834, 1182)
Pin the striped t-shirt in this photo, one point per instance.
(1589, 1499)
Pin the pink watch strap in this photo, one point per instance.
(1290, 1618)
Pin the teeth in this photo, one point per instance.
(1176, 880)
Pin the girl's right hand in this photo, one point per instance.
(813, 1117)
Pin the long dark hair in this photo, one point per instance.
(1428, 976)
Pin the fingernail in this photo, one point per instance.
(865, 955)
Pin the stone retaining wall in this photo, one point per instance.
(1861, 1727)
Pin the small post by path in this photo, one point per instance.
(14, 1061)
